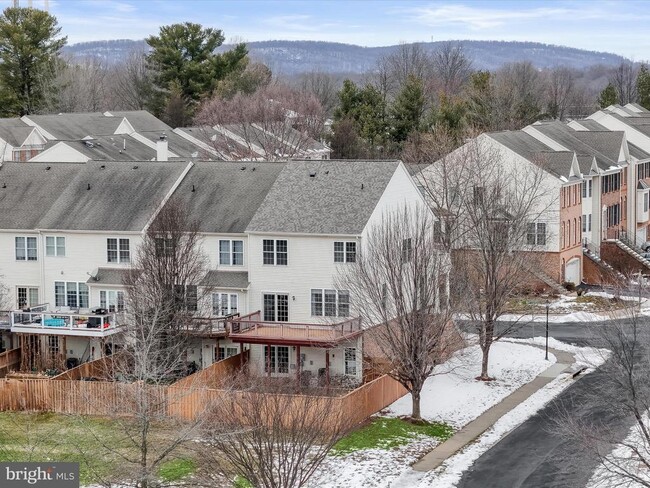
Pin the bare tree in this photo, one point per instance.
(407, 60)
(274, 123)
(518, 92)
(487, 208)
(272, 438)
(560, 91)
(623, 392)
(624, 80)
(323, 86)
(131, 83)
(162, 300)
(451, 67)
(400, 285)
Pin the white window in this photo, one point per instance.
(54, 246)
(330, 303)
(351, 361)
(646, 196)
(226, 352)
(231, 253)
(345, 252)
(276, 307)
(26, 249)
(118, 250)
(277, 361)
(70, 294)
(584, 223)
(589, 227)
(27, 296)
(111, 300)
(224, 304)
(165, 247)
(536, 234)
(274, 251)
(187, 296)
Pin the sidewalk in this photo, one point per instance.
(478, 426)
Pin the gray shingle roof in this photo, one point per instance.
(28, 190)
(637, 152)
(74, 126)
(521, 143)
(565, 135)
(225, 197)
(120, 197)
(142, 121)
(605, 142)
(556, 162)
(109, 276)
(591, 124)
(112, 148)
(225, 279)
(338, 199)
(14, 131)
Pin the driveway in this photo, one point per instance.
(534, 455)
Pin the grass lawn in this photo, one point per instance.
(53, 437)
(387, 433)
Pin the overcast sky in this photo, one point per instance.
(599, 25)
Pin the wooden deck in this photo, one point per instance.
(250, 329)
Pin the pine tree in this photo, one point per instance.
(185, 64)
(608, 96)
(367, 108)
(408, 109)
(29, 48)
(643, 87)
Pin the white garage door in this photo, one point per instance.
(572, 271)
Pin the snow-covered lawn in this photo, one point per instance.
(456, 398)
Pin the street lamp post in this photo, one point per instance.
(546, 350)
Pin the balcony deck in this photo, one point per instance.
(42, 321)
(5, 320)
(250, 329)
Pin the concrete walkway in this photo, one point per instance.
(476, 427)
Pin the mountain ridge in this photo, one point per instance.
(295, 57)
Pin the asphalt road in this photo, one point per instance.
(534, 455)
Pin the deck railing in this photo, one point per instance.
(252, 325)
(62, 321)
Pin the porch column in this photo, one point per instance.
(298, 364)
(327, 368)
(268, 359)
(241, 356)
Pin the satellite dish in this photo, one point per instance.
(94, 274)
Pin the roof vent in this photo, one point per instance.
(89, 144)
(47, 168)
(327, 172)
(362, 186)
(253, 169)
(243, 168)
(193, 189)
(103, 166)
(163, 137)
(88, 187)
(4, 185)
(312, 174)
(135, 167)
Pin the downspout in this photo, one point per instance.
(41, 258)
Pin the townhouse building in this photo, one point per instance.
(276, 235)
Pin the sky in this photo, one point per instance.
(616, 26)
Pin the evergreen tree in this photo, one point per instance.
(643, 87)
(185, 64)
(608, 96)
(480, 100)
(29, 49)
(408, 109)
(367, 108)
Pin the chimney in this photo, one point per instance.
(162, 149)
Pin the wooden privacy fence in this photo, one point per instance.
(9, 360)
(214, 375)
(101, 368)
(115, 398)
